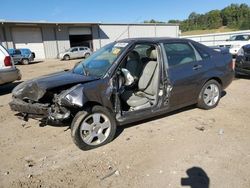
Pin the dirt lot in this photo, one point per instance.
(156, 153)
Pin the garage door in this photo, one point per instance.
(79, 31)
(29, 38)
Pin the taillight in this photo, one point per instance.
(232, 64)
(7, 61)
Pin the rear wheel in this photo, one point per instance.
(25, 61)
(210, 95)
(93, 128)
(66, 57)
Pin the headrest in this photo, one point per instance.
(133, 55)
(151, 53)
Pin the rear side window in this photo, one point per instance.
(82, 49)
(202, 52)
(179, 53)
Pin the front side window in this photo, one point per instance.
(179, 53)
(74, 50)
(100, 61)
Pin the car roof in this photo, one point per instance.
(153, 39)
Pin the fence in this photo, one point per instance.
(215, 38)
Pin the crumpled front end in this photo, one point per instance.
(32, 100)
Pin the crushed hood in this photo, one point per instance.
(35, 89)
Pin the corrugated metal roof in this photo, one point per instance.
(43, 22)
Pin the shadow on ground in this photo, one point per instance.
(197, 178)
(237, 77)
(7, 88)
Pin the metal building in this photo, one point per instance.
(47, 39)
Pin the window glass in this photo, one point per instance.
(82, 49)
(202, 52)
(179, 53)
(74, 50)
(17, 52)
(100, 61)
(141, 49)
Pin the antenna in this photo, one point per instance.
(127, 29)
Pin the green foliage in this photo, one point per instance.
(234, 16)
(152, 21)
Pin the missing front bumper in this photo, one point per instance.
(29, 108)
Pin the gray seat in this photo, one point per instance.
(147, 84)
(134, 64)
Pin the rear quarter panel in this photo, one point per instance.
(218, 66)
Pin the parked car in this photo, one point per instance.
(127, 81)
(235, 42)
(22, 55)
(75, 52)
(8, 71)
(242, 63)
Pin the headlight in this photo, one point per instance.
(240, 52)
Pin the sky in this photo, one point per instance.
(107, 11)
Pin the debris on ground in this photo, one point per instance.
(29, 163)
(23, 123)
(30, 176)
(7, 173)
(200, 128)
(108, 175)
(117, 173)
(221, 131)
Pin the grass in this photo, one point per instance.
(208, 31)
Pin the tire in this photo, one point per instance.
(83, 127)
(66, 57)
(86, 55)
(210, 95)
(25, 61)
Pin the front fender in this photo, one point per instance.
(99, 91)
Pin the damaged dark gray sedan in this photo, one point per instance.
(126, 81)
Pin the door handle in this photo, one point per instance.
(197, 67)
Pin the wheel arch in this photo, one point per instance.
(90, 104)
(215, 78)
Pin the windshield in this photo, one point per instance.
(240, 37)
(100, 61)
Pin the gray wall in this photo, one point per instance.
(56, 37)
(62, 36)
(108, 33)
(6, 37)
(214, 39)
(49, 42)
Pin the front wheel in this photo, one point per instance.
(93, 128)
(210, 95)
(66, 57)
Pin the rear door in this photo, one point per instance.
(74, 53)
(17, 56)
(82, 51)
(184, 68)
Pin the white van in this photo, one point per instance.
(8, 70)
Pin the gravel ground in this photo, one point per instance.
(187, 147)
